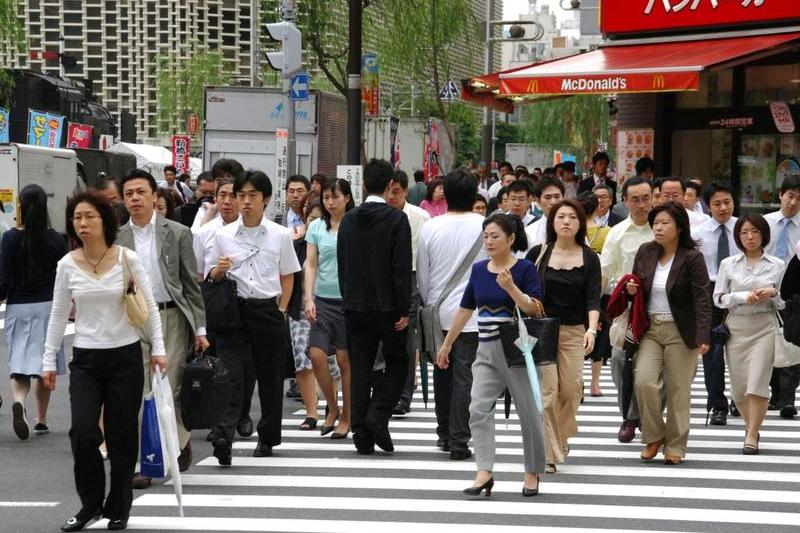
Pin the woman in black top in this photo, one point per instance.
(28, 258)
(571, 283)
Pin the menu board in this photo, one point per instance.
(632, 145)
(758, 164)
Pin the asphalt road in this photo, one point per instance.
(315, 484)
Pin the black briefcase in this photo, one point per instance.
(545, 351)
(791, 320)
(222, 304)
(205, 392)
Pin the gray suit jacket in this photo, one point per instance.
(178, 266)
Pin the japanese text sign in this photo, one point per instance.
(180, 153)
(281, 168)
(44, 129)
(782, 116)
(79, 135)
(5, 125)
(353, 174)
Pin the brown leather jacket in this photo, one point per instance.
(688, 290)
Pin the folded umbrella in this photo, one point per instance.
(162, 392)
(423, 378)
(525, 343)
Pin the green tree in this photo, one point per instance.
(181, 86)
(13, 41)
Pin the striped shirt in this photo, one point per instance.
(493, 303)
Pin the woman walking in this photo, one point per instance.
(28, 259)
(678, 299)
(748, 287)
(434, 202)
(496, 287)
(324, 304)
(570, 272)
(106, 368)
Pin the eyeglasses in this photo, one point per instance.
(88, 218)
(746, 232)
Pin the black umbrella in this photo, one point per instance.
(423, 378)
(714, 363)
(507, 402)
(630, 348)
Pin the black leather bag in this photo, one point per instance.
(545, 351)
(205, 392)
(791, 320)
(222, 304)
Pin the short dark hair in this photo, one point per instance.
(432, 184)
(166, 194)
(698, 189)
(790, 183)
(343, 187)
(502, 191)
(298, 178)
(226, 166)
(589, 202)
(460, 188)
(760, 224)
(580, 236)
(99, 202)
(419, 176)
(139, 174)
(478, 197)
(675, 179)
(321, 178)
(520, 186)
(633, 182)
(568, 166)
(718, 188)
(511, 225)
(656, 183)
(170, 168)
(186, 177)
(681, 218)
(257, 179)
(558, 166)
(401, 178)
(223, 182)
(606, 187)
(205, 176)
(548, 181)
(105, 182)
(506, 164)
(377, 175)
(600, 156)
(644, 164)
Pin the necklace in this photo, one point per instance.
(94, 265)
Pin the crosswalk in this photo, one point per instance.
(313, 484)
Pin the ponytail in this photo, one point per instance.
(511, 225)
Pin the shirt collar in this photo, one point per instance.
(149, 225)
(795, 219)
(375, 198)
(240, 227)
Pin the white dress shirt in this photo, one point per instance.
(375, 198)
(707, 236)
(620, 247)
(696, 219)
(260, 256)
(293, 220)
(144, 240)
(203, 245)
(181, 188)
(495, 189)
(537, 233)
(416, 218)
(774, 220)
(737, 279)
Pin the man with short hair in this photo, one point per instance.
(259, 256)
(222, 169)
(374, 258)
(519, 201)
(620, 248)
(673, 189)
(569, 180)
(165, 249)
(550, 191)
(228, 212)
(110, 188)
(416, 218)
(604, 215)
(716, 240)
(297, 187)
(693, 199)
(419, 191)
(645, 168)
(206, 187)
(600, 162)
(485, 180)
(172, 182)
(504, 181)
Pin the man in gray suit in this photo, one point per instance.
(165, 249)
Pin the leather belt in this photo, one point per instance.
(660, 318)
(166, 305)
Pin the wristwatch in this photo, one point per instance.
(592, 331)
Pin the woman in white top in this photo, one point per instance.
(748, 287)
(106, 367)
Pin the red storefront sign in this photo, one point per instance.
(603, 84)
(79, 135)
(180, 153)
(645, 16)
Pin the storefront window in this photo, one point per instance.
(772, 83)
(704, 154)
(764, 162)
(716, 90)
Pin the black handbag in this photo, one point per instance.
(205, 392)
(222, 304)
(545, 351)
(791, 320)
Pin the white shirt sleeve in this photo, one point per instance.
(423, 270)
(288, 261)
(723, 297)
(62, 303)
(199, 248)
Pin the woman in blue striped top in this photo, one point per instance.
(496, 287)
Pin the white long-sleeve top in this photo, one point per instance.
(100, 319)
(736, 279)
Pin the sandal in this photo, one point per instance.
(550, 468)
(308, 424)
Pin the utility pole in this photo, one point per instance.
(254, 81)
(354, 84)
(487, 140)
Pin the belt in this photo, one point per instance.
(258, 301)
(660, 318)
(166, 305)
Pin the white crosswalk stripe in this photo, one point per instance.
(313, 484)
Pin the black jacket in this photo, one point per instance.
(374, 254)
(587, 185)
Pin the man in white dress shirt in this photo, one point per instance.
(222, 169)
(171, 181)
(259, 256)
(519, 201)
(673, 189)
(716, 241)
(549, 191)
(297, 188)
(228, 211)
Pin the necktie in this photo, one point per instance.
(723, 248)
(782, 245)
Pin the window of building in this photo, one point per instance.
(72, 5)
(771, 83)
(716, 90)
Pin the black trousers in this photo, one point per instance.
(374, 398)
(261, 341)
(412, 343)
(453, 392)
(784, 383)
(715, 381)
(113, 377)
(602, 345)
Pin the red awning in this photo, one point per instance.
(661, 67)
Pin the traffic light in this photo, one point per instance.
(289, 60)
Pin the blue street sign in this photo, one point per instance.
(299, 87)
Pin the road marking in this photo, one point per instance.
(29, 504)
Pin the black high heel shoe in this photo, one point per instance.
(81, 519)
(527, 493)
(476, 491)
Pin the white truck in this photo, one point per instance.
(54, 169)
(412, 137)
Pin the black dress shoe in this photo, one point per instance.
(773, 405)
(401, 409)
(364, 443)
(788, 412)
(381, 435)
(443, 444)
(719, 418)
(81, 519)
(222, 451)
(185, 458)
(734, 411)
(116, 524)
(244, 427)
(460, 454)
(262, 450)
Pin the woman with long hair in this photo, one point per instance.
(324, 308)
(496, 287)
(28, 258)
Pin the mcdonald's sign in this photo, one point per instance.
(658, 82)
(533, 86)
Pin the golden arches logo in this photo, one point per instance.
(533, 86)
(658, 81)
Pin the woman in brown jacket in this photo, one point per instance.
(677, 293)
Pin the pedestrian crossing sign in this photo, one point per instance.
(450, 91)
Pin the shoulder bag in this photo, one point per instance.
(222, 304)
(430, 324)
(135, 305)
(786, 353)
(545, 330)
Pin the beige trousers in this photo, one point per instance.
(570, 379)
(665, 361)
(548, 375)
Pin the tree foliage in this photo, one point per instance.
(13, 41)
(181, 86)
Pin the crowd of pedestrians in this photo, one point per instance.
(347, 299)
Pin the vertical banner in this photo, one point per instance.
(370, 84)
(431, 164)
(631, 146)
(394, 142)
(353, 174)
(281, 169)
(5, 125)
(180, 153)
(79, 135)
(44, 129)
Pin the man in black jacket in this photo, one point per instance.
(600, 163)
(374, 256)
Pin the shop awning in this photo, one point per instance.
(659, 67)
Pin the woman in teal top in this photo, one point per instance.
(324, 303)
